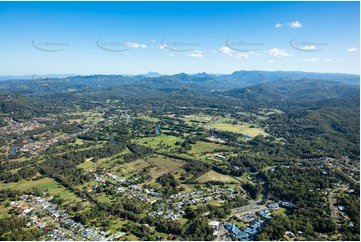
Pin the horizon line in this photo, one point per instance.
(167, 74)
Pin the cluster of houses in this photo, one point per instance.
(14, 127)
(132, 191)
(36, 147)
(42, 223)
(247, 233)
(151, 196)
(180, 200)
(344, 164)
(165, 211)
(56, 234)
(29, 145)
(342, 214)
(204, 195)
(64, 221)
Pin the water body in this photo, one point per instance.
(115, 142)
(13, 150)
(157, 130)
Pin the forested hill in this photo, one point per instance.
(301, 93)
(201, 83)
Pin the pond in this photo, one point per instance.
(157, 130)
(13, 150)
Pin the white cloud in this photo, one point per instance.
(328, 59)
(135, 45)
(242, 56)
(198, 55)
(170, 55)
(226, 50)
(278, 52)
(350, 50)
(271, 61)
(278, 26)
(309, 60)
(235, 54)
(309, 47)
(295, 24)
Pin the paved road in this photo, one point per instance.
(334, 211)
(254, 205)
(332, 201)
(252, 210)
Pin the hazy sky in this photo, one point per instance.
(173, 37)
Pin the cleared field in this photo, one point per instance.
(134, 166)
(162, 165)
(48, 185)
(280, 211)
(224, 124)
(25, 185)
(159, 141)
(88, 164)
(116, 225)
(104, 198)
(244, 128)
(132, 237)
(79, 142)
(215, 176)
(202, 146)
(167, 165)
(107, 162)
(198, 120)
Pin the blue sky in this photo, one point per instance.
(173, 37)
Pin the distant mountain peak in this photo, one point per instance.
(151, 74)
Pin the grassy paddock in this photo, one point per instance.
(215, 176)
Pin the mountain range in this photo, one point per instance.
(260, 87)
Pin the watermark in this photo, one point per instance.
(179, 46)
(49, 46)
(243, 46)
(118, 46)
(307, 46)
(113, 46)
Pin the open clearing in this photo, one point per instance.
(159, 141)
(142, 116)
(202, 146)
(165, 164)
(215, 176)
(134, 166)
(244, 128)
(223, 124)
(47, 185)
